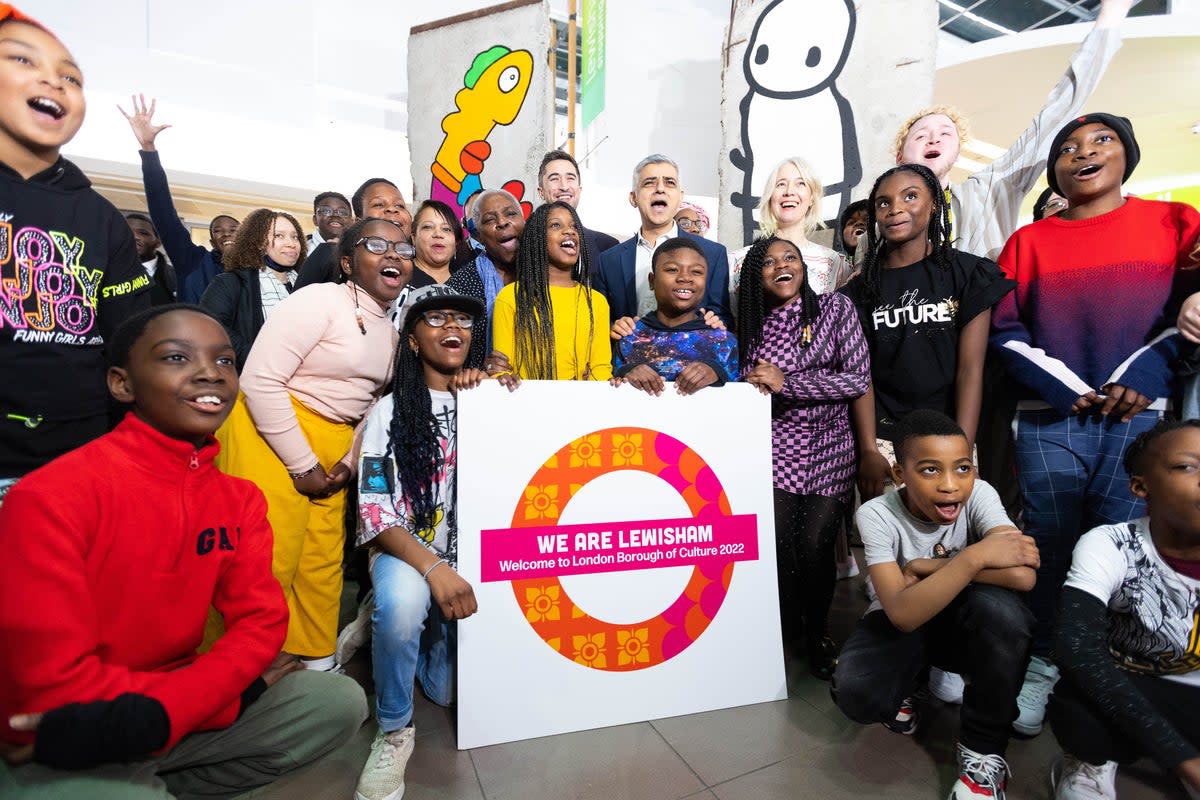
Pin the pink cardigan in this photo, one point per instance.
(312, 349)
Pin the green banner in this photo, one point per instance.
(591, 82)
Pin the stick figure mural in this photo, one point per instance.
(795, 54)
(494, 90)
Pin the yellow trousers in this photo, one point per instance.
(309, 534)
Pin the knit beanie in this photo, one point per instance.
(9, 12)
(1120, 125)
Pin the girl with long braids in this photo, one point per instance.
(926, 310)
(549, 323)
(807, 351)
(320, 361)
(407, 506)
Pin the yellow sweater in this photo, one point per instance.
(577, 356)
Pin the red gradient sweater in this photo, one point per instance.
(1096, 301)
(113, 554)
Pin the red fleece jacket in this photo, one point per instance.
(113, 554)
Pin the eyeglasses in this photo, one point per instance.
(438, 319)
(692, 226)
(325, 211)
(378, 245)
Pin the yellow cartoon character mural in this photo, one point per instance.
(494, 91)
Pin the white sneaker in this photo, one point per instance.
(358, 631)
(1040, 678)
(1073, 779)
(383, 775)
(848, 568)
(946, 686)
(980, 776)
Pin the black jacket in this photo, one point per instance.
(70, 276)
(320, 266)
(163, 285)
(235, 298)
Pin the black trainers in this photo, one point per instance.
(907, 718)
(822, 658)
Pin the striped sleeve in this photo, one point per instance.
(1010, 340)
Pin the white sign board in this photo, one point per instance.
(622, 550)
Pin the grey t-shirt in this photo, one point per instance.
(891, 533)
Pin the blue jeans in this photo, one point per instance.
(1072, 479)
(1191, 397)
(401, 648)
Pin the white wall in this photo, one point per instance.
(663, 95)
(295, 93)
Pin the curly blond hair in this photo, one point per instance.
(960, 122)
(250, 243)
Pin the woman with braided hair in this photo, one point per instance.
(925, 309)
(549, 323)
(807, 351)
(407, 506)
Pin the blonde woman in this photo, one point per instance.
(791, 209)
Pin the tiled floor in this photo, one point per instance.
(801, 747)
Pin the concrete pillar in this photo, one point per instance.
(829, 81)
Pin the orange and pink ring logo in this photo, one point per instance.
(545, 603)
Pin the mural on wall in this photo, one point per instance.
(482, 118)
(493, 92)
(793, 106)
(828, 81)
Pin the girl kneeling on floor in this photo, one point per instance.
(407, 506)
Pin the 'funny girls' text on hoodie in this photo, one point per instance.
(69, 275)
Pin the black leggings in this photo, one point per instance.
(806, 529)
(1085, 728)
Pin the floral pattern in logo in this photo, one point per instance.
(589, 650)
(634, 647)
(548, 607)
(627, 450)
(541, 502)
(585, 451)
(541, 603)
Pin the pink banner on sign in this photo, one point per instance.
(510, 554)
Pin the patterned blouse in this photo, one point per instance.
(813, 445)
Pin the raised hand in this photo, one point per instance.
(142, 121)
